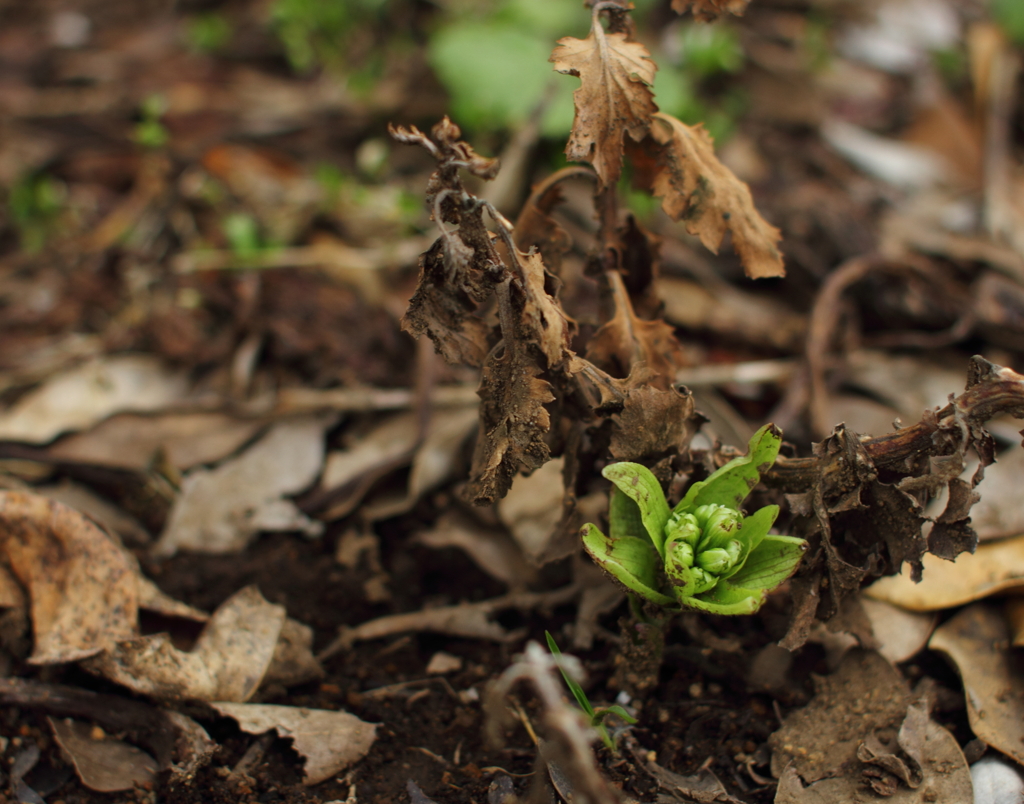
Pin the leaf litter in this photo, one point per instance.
(564, 316)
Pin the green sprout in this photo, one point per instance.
(597, 716)
(704, 553)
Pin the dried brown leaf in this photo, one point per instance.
(82, 588)
(977, 641)
(653, 422)
(445, 302)
(513, 422)
(103, 763)
(627, 343)
(535, 228)
(699, 190)
(328, 740)
(710, 10)
(614, 97)
(542, 317)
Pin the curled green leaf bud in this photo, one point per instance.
(679, 552)
(720, 559)
(684, 527)
(718, 525)
(704, 553)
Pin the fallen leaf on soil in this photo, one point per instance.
(79, 398)
(532, 509)
(946, 778)
(614, 97)
(103, 763)
(899, 634)
(710, 10)
(977, 642)
(490, 548)
(81, 586)
(130, 440)
(696, 188)
(220, 510)
(863, 727)
(329, 741)
(995, 567)
(392, 444)
(227, 663)
(293, 661)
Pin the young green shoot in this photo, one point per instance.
(704, 553)
(600, 714)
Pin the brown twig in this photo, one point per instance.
(991, 390)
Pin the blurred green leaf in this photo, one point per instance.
(208, 33)
(1009, 14)
(497, 75)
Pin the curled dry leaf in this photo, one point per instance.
(977, 641)
(696, 188)
(220, 510)
(83, 396)
(103, 763)
(995, 567)
(614, 97)
(81, 586)
(329, 741)
(227, 663)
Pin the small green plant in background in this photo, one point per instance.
(315, 32)
(208, 33)
(35, 202)
(703, 554)
(150, 132)
(597, 716)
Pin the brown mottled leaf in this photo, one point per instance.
(542, 317)
(445, 301)
(614, 96)
(535, 228)
(694, 187)
(653, 422)
(709, 10)
(626, 343)
(513, 422)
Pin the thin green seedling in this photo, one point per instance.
(600, 714)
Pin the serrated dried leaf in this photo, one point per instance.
(710, 10)
(542, 317)
(696, 188)
(614, 97)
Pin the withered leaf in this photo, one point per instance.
(709, 10)
(82, 588)
(445, 301)
(614, 96)
(543, 318)
(696, 188)
(535, 228)
(653, 421)
(626, 343)
(513, 422)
